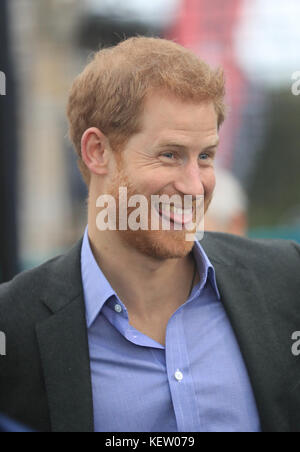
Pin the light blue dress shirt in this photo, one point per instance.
(197, 382)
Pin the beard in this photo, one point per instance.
(158, 244)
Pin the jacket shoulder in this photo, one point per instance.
(28, 282)
(252, 252)
(60, 274)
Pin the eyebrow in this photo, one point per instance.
(184, 147)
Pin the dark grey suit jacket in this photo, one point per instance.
(45, 377)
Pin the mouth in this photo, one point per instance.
(175, 215)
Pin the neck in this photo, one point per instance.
(141, 281)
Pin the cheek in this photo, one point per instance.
(150, 182)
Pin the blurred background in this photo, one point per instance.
(44, 44)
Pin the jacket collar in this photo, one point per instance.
(63, 345)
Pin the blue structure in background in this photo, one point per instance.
(281, 232)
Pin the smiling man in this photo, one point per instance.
(140, 329)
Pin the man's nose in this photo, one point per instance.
(189, 181)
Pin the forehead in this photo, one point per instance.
(166, 116)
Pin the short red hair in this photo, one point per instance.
(110, 92)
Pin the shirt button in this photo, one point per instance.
(178, 375)
(118, 308)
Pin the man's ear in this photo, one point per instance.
(95, 151)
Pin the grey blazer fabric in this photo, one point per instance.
(45, 379)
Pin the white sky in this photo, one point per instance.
(268, 39)
(268, 44)
(149, 11)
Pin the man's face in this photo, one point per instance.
(172, 155)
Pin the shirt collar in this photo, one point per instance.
(97, 290)
(205, 268)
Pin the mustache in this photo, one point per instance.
(186, 202)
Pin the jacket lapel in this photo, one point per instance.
(64, 351)
(251, 322)
(245, 304)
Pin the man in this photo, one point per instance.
(144, 330)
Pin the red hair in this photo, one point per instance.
(110, 92)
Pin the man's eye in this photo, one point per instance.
(204, 156)
(168, 155)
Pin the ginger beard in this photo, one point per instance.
(158, 244)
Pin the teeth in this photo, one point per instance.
(179, 211)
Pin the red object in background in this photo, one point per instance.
(208, 28)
